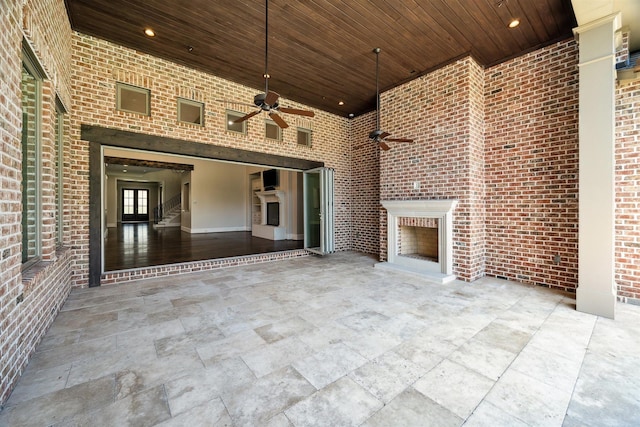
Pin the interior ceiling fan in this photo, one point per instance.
(268, 101)
(379, 136)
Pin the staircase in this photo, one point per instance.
(169, 214)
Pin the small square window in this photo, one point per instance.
(190, 112)
(231, 126)
(132, 99)
(304, 137)
(272, 130)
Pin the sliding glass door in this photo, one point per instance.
(318, 211)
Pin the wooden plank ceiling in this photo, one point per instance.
(320, 51)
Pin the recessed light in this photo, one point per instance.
(341, 103)
(514, 23)
(149, 32)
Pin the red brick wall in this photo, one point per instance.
(365, 186)
(531, 167)
(98, 65)
(627, 181)
(442, 111)
(30, 300)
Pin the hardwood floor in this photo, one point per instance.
(140, 245)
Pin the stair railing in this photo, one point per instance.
(158, 212)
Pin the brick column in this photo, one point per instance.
(596, 251)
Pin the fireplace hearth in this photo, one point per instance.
(420, 238)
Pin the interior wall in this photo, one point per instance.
(218, 197)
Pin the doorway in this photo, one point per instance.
(135, 205)
(99, 137)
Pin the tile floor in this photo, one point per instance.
(329, 341)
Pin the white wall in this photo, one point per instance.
(219, 195)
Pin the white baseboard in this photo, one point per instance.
(215, 229)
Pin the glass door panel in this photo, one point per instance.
(318, 211)
(135, 205)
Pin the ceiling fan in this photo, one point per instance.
(268, 101)
(379, 136)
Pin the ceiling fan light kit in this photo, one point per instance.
(268, 101)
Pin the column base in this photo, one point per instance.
(599, 303)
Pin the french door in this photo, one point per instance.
(135, 205)
(318, 211)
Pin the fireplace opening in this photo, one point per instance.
(419, 242)
(273, 213)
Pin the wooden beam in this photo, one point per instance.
(147, 163)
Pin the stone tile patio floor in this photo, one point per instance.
(329, 341)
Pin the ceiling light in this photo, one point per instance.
(514, 23)
(149, 32)
(341, 103)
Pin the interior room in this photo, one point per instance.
(293, 213)
(193, 209)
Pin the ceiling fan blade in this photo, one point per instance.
(384, 146)
(399, 140)
(279, 121)
(271, 98)
(296, 111)
(383, 135)
(246, 117)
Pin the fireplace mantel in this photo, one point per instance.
(442, 209)
(419, 208)
(271, 196)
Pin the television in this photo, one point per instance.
(270, 179)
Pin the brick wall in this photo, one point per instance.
(627, 182)
(365, 182)
(443, 112)
(98, 65)
(10, 197)
(29, 300)
(531, 167)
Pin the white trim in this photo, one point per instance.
(439, 209)
(215, 229)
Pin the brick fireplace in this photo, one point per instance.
(420, 238)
